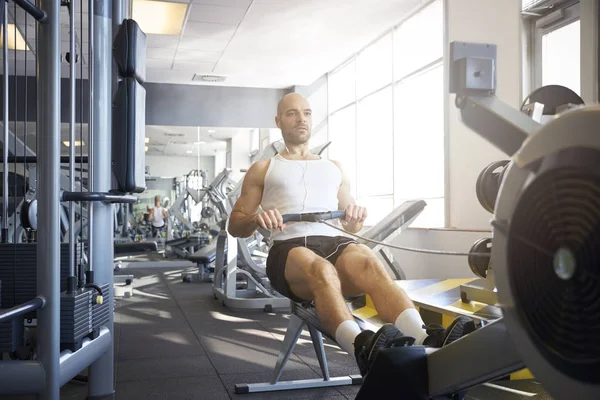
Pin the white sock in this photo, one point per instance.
(411, 324)
(345, 334)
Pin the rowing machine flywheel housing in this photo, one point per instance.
(546, 253)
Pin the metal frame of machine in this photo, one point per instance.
(542, 105)
(75, 327)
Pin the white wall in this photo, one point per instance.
(240, 158)
(173, 167)
(220, 161)
(485, 21)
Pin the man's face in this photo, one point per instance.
(295, 119)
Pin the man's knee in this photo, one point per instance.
(369, 267)
(317, 272)
(322, 272)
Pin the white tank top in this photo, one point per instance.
(302, 186)
(158, 219)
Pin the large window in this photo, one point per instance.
(561, 58)
(342, 86)
(386, 118)
(419, 136)
(557, 48)
(419, 41)
(374, 66)
(342, 134)
(375, 157)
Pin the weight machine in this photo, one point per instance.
(42, 279)
(542, 105)
(212, 197)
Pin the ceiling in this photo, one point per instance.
(179, 141)
(254, 43)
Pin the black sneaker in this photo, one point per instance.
(368, 343)
(440, 336)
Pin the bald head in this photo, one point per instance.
(291, 100)
(294, 118)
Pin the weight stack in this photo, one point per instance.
(79, 318)
(101, 312)
(18, 272)
(9, 333)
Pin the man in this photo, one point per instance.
(312, 261)
(158, 215)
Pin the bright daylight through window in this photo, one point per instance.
(386, 118)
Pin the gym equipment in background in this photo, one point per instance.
(212, 198)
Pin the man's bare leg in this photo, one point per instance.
(311, 277)
(360, 271)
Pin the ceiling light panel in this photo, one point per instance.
(15, 41)
(158, 17)
(78, 143)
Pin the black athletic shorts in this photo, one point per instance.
(157, 229)
(325, 246)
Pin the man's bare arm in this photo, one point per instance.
(243, 219)
(355, 215)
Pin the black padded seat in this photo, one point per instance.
(122, 249)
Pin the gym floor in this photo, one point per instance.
(174, 341)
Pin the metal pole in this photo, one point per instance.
(119, 13)
(48, 149)
(21, 377)
(101, 373)
(72, 137)
(92, 101)
(5, 126)
(21, 309)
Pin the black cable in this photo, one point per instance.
(16, 105)
(413, 249)
(81, 211)
(26, 167)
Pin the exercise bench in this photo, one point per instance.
(304, 315)
(123, 282)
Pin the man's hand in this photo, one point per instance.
(355, 216)
(270, 219)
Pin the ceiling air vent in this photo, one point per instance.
(209, 78)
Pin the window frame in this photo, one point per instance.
(572, 12)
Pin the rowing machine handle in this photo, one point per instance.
(313, 217)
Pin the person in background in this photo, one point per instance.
(158, 216)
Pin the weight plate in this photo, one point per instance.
(479, 264)
(488, 184)
(203, 227)
(552, 96)
(207, 212)
(25, 215)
